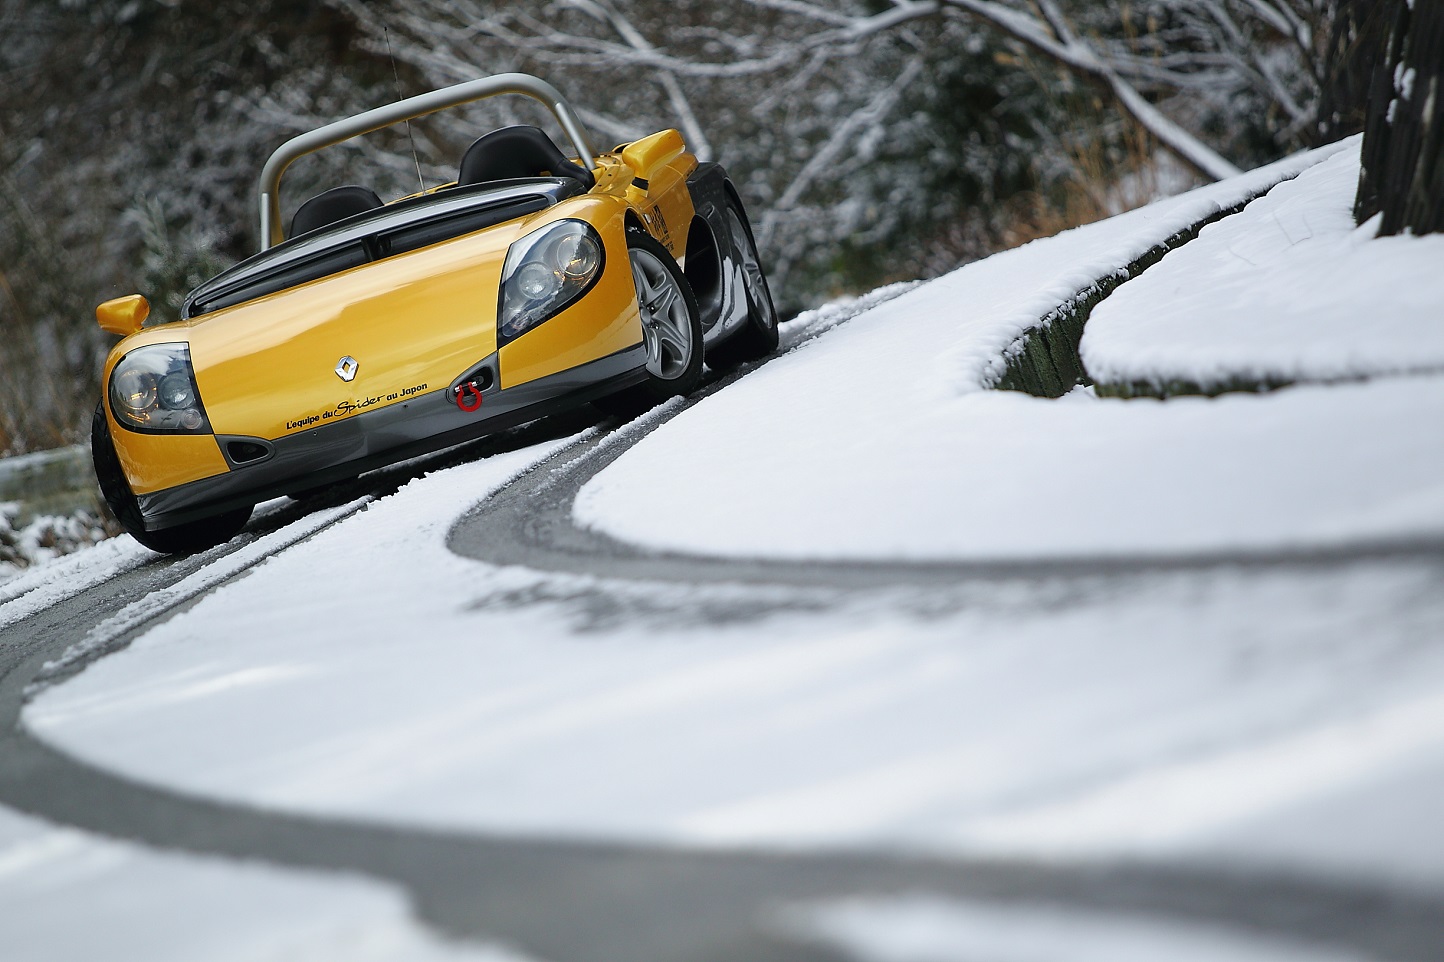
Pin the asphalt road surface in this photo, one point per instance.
(565, 901)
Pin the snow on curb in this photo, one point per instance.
(1289, 290)
(1046, 360)
(1080, 258)
(42, 538)
(41, 586)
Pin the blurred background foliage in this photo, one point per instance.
(872, 140)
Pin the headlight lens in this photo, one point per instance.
(544, 272)
(154, 389)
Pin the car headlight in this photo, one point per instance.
(154, 389)
(544, 272)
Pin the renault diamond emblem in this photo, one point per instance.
(346, 368)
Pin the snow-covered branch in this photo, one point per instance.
(843, 137)
(1219, 50)
(1053, 37)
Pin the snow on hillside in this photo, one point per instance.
(1289, 289)
(1253, 715)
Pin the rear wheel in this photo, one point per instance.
(671, 329)
(758, 335)
(182, 538)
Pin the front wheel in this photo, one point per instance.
(195, 536)
(182, 538)
(671, 329)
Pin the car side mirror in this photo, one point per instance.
(123, 315)
(646, 155)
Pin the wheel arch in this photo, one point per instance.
(703, 269)
(712, 192)
(633, 221)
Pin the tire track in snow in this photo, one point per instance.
(529, 522)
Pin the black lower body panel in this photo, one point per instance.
(364, 442)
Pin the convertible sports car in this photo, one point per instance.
(374, 332)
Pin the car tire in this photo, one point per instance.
(671, 329)
(182, 538)
(758, 336)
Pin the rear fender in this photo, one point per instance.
(711, 265)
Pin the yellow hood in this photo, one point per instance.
(411, 323)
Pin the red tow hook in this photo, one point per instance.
(463, 402)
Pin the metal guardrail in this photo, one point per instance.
(58, 481)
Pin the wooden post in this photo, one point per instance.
(1353, 34)
(1403, 170)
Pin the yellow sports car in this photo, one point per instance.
(373, 332)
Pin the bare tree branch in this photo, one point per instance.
(691, 129)
(1048, 33)
(834, 148)
(1259, 69)
(1081, 58)
(805, 9)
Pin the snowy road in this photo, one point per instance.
(449, 689)
(588, 901)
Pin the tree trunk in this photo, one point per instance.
(1403, 170)
(1355, 35)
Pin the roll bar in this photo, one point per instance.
(408, 109)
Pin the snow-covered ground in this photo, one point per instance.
(879, 441)
(1006, 475)
(935, 930)
(1255, 716)
(67, 895)
(455, 694)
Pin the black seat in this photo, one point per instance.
(519, 151)
(329, 206)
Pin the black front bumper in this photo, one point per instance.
(363, 442)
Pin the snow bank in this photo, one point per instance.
(42, 585)
(1287, 290)
(51, 579)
